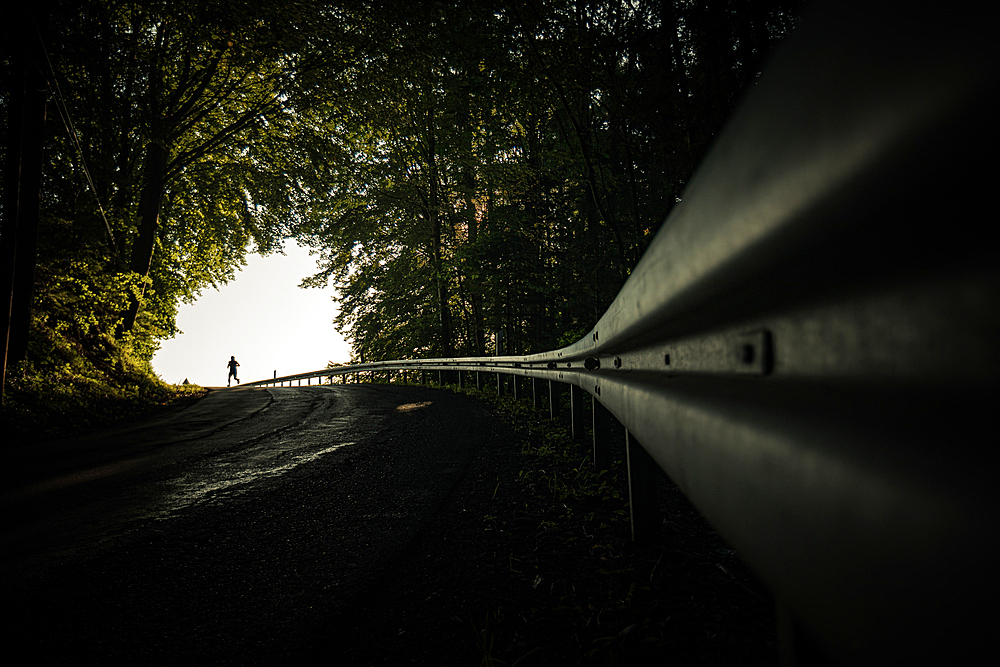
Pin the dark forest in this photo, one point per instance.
(460, 168)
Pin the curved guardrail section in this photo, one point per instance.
(810, 346)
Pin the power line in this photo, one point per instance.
(67, 120)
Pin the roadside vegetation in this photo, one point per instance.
(471, 176)
(593, 597)
(474, 178)
(77, 377)
(69, 401)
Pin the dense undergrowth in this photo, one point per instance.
(79, 377)
(67, 400)
(595, 598)
(80, 371)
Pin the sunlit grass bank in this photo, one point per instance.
(70, 400)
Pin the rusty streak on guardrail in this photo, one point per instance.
(810, 347)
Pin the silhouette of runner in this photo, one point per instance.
(232, 371)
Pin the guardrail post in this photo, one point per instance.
(516, 379)
(479, 380)
(577, 427)
(461, 380)
(602, 435)
(501, 382)
(554, 391)
(537, 393)
(642, 492)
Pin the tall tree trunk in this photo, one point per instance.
(635, 247)
(475, 284)
(434, 214)
(473, 280)
(149, 222)
(536, 208)
(22, 175)
(579, 115)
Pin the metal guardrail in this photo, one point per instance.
(810, 346)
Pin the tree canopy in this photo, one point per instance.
(459, 168)
(506, 164)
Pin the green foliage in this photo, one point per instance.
(71, 398)
(214, 85)
(461, 169)
(179, 143)
(80, 374)
(503, 167)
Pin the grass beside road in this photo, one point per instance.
(66, 403)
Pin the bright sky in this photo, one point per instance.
(263, 318)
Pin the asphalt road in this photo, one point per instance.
(249, 528)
